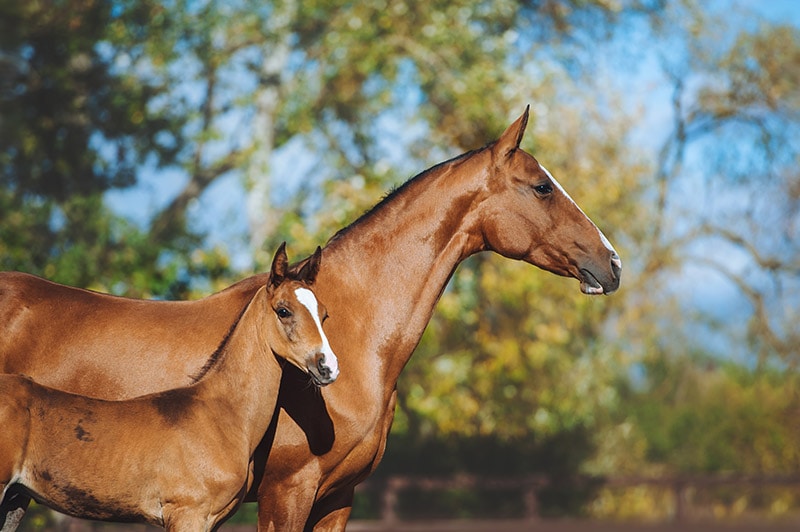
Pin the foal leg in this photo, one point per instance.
(12, 508)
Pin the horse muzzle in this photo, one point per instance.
(596, 281)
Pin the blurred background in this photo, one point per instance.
(163, 150)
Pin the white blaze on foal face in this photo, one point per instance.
(329, 363)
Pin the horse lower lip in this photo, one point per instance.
(589, 283)
(590, 290)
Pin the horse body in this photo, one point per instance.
(492, 199)
(381, 278)
(178, 458)
(110, 347)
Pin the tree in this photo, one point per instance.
(725, 211)
(73, 126)
(735, 113)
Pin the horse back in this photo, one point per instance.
(107, 346)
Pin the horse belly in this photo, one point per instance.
(93, 471)
(81, 502)
(82, 485)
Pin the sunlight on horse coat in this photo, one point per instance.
(380, 279)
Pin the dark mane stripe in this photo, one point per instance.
(218, 353)
(399, 190)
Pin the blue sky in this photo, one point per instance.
(784, 11)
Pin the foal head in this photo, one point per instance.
(294, 319)
(528, 216)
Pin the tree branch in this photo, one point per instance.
(760, 326)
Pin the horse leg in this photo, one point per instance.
(334, 521)
(331, 513)
(12, 508)
(284, 506)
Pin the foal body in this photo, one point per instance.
(181, 458)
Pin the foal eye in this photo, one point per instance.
(544, 189)
(283, 312)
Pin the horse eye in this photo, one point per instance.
(543, 189)
(283, 312)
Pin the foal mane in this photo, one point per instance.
(218, 353)
(399, 190)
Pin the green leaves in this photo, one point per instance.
(718, 418)
(71, 123)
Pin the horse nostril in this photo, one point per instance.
(616, 264)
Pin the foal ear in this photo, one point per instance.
(308, 273)
(512, 136)
(280, 265)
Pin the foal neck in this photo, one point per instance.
(243, 369)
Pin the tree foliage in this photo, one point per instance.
(73, 125)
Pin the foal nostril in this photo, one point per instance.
(324, 370)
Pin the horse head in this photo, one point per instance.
(295, 318)
(529, 216)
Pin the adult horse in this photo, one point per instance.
(181, 458)
(380, 279)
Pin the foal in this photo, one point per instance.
(180, 459)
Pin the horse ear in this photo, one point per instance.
(512, 136)
(280, 265)
(310, 269)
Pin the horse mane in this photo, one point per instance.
(397, 191)
(216, 356)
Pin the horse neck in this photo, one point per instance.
(243, 374)
(389, 268)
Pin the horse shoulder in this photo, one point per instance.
(13, 287)
(19, 294)
(15, 418)
(16, 391)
